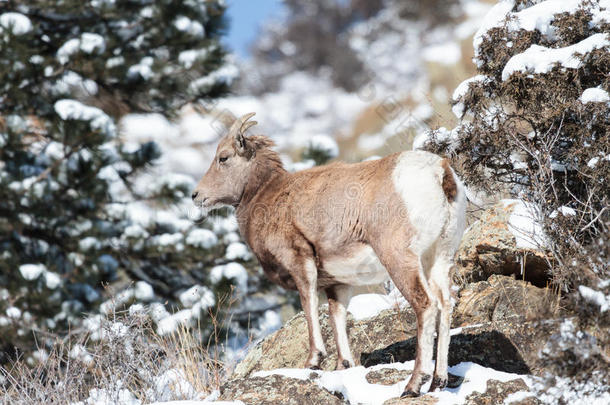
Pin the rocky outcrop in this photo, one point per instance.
(498, 391)
(501, 323)
(500, 297)
(289, 347)
(275, 389)
(505, 334)
(489, 247)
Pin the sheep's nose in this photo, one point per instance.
(194, 195)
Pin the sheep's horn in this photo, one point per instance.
(241, 124)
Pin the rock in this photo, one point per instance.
(289, 346)
(497, 391)
(423, 400)
(503, 339)
(500, 297)
(511, 346)
(489, 247)
(275, 389)
(387, 376)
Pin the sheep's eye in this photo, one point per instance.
(223, 159)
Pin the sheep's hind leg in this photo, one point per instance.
(338, 298)
(405, 268)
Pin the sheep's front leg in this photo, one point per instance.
(338, 298)
(307, 287)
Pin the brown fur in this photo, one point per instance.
(449, 184)
(297, 223)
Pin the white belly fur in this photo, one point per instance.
(362, 267)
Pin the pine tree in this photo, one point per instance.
(76, 224)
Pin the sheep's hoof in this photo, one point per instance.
(409, 394)
(438, 383)
(343, 364)
(314, 367)
(454, 381)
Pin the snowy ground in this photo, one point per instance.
(354, 387)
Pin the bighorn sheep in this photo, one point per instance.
(341, 225)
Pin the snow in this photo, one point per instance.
(224, 75)
(170, 323)
(524, 226)
(540, 16)
(102, 396)
(16, 22)
(492, 19)
(594, 95)
(592, 163)
(68, 109)
(173, 383)
(237, 250)
(32, 271)
(563, 210)
(143, 69)
(13, 312)
(193, 28)
(189, 57)
(189, 297)
(595, 297)
(143, 291)
(88, 43)
(448, 53)
(365, 306)
(325, 144)
(199, 403)
(201, 238)
(52, 280)
(461, 90)
(234, 271)
(540, 59)
(354, 387)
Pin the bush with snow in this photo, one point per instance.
(535, 124)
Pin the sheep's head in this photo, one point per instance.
(225, 181)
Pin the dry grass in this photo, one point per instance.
(120, 359)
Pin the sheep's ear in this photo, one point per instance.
(238, 129)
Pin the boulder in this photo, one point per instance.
(492, 245)
(506, 335)
(275, 389)
(498, 391)
(500, 297)
(289, 346)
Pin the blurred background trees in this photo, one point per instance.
(74, 219)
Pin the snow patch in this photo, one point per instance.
(540, 59)
(17, 23)
(234, 271)
(524, 225)
(68, 109)
(32, 271)
(594, 95)
(354, 387)
(595, 297)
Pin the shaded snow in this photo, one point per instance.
(595, 297)
(524, 225)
